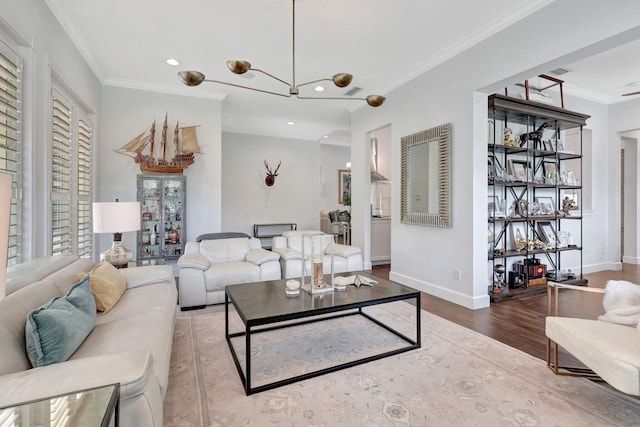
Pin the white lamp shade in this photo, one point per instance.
(116, 217)
(5, 214)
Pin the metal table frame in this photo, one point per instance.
(311, 316)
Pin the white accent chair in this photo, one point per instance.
(610, 351)
(208, 266)
(289, 246)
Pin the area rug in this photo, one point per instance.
(457, 378)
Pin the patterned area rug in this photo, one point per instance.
(457, 378)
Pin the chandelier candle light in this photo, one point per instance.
(117, 218)
(194, 78)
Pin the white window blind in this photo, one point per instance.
(10, 142)
(71, 178)
(61, 165)
(84, 224)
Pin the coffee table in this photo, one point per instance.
(263, 306)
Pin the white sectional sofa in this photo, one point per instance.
(130, 344)
(208, 266)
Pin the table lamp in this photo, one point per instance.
(117, 218)
(5, 214)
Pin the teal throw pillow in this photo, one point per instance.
(56, 330)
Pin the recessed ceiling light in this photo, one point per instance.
(172, 61)
(290, 123)
(326, 136)
(319, 88)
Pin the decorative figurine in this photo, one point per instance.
(507, 140)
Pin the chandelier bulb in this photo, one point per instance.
(342, 79)
(191, 78)
(375, 100)
(238, 67)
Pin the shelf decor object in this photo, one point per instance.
(117, 218)
(539, 181)
(313, 258)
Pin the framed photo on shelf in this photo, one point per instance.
(548, 233)
(518, 231)
(550, 170)
(495, 209)
(546, 205)
(519, 169)
(570, 200)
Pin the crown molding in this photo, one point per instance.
(75, 38)
(164, 88)
(484, 32)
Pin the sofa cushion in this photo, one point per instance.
(220, 275)
(320, 241)
(107, 285)
(54, 331)
(225, 250)
(609, 349)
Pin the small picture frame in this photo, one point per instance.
(548, 233)
(518, 231)
(550, 170)
(547, 207)
(519, 170)
(494, 207)
(559, 145)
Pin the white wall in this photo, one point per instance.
(129, 112)
(247, 200)
(427, 258)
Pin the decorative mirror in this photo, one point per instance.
(426, 177)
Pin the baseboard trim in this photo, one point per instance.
(473, 303)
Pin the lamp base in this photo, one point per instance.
(117, 255)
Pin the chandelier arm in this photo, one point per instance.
(312, 82)
(247, 87)
(271, 75)
(323, 97)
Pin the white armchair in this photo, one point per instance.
(208, 266)
(289, 246)
(610, 351)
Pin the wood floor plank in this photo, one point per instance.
(520, 323)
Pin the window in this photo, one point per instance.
(71, 178)
(10, 141)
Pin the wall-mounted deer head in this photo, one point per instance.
(271, 176)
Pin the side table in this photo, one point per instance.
(88, 408)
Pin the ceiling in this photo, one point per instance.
(126, 43)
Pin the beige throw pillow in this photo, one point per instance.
(107, 285)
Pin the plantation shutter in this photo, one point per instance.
(10, 142)
(61, 168)
(84, 179)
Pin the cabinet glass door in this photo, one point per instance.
(162, 201)
(173, 196)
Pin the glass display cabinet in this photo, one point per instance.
(162, 234)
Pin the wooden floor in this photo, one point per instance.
(519, 323)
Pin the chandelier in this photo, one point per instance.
(194, 78)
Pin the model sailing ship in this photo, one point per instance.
(184, 148)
